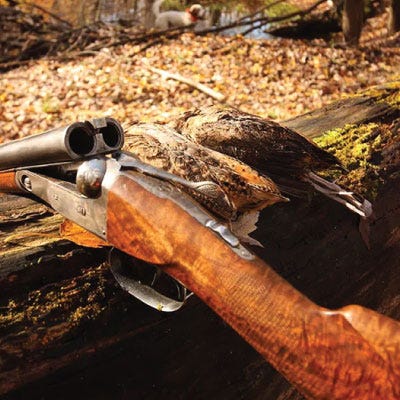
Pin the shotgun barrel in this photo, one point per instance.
(75, 141)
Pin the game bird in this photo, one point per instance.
(237, 192)
(285, 156)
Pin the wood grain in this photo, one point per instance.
(359, 109)
(8, 183)
(350, 353)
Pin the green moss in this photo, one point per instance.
(60, 308)
(173, 5)
(359, 149)
(394, 100)
(281, 9)
(272, 114)
(388, 93)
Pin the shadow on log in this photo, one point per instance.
(68, 330)
(308, 28)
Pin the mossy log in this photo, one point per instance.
(380, 104)
(68, 330)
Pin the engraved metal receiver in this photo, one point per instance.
(79, 189)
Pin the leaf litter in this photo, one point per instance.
(278, 79)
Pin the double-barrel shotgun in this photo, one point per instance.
(81, 172)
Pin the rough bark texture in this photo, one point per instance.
(148, 14)
(374, 105)
(352, 21)
(67, 330)
(394, 17)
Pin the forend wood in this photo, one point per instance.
(8, 183)
(349, 353)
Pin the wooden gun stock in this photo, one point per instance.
(8, 183)
(350, 353)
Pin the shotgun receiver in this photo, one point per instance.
(349, 353)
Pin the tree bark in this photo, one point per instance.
(65, 321)
(359, 109)
(394, 17)
(148, 14)
(352, 21)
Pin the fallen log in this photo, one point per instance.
(311, 27)
(67, 329)
(374, 105)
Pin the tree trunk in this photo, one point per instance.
(67, 329)
(352, 21)
(394, 17)
(148, 14)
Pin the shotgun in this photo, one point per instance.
(349, 353)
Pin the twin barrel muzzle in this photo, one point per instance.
(76, 141)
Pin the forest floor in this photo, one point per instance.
(277, 78)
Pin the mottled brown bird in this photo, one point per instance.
(239, 189)
(287, 157)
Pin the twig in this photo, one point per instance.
(4, 66)
(262, 21)
(170, 33)
(59, 19)
(151, 44)
(197, 85)
(251, 29)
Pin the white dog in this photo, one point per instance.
(175, 19)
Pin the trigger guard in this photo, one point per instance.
(143, 292)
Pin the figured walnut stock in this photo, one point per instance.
(350, 353)
(8, 183)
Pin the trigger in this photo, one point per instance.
(147, 283)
